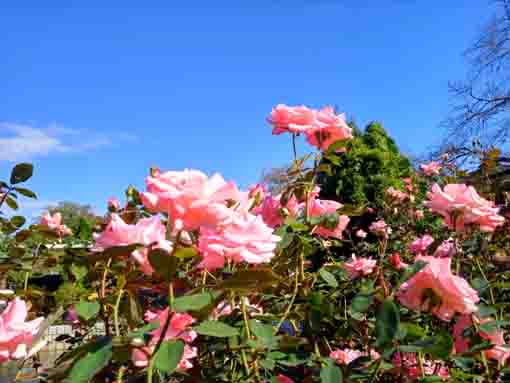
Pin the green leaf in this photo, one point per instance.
(185, 252)
(163, 263)
(263, 332)
(361, 302)
(11, 202)
(85, 229)
(331, 373)
(18, 221)
(216, 329)
(192, 302)
(169, 355)
(21, 173)
(438, 346)
(97, 357)
(328, 278)
(26, 192)
(87, 310)
(79, 271)
(387, 322)
(254, 279)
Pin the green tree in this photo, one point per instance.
(370, 164)
(79, 218)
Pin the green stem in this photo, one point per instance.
(116, 312)
(292, 299)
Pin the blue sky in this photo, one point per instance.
(95, 94)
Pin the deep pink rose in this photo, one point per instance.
(397, 262)
(345, 356)
(283, 379)
(420, 245)
(445, 249)
(16, 333)
(272, 211)
(245, 239)
(320, 207)
(359, 267)
(113, 204)
(147, 231)
(190, 198)
(328, 128)
(435, 288)
(432, 168)
(292, 119)
(460, 205)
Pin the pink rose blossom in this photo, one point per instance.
(420, 245)
(445, 249)
(257, 192)
(418, 214)
(54, 222)
(466, 205)
(247, 238)
(225, 309)
(328, 128)
(380, 228)
(179, 328)
(359, 267)
(407, 364)
(273, 213)
(283, 379)
(345, 356)
(190, 198)
(396, 262)
(397, 195)
(16, 334)
(113, 204)
(431, 168)
(360, 233)
(320, 207)
(453, 293)
(147, 231)
(292, 119)
(500, 352)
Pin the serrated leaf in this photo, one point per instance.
(217, 329)
(169, 355)
(328, 278)
(192, 302)
(21, 173)
(87, 310)
(263, 332)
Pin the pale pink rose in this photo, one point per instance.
(360, 233)
(380, 228)
(397, 262)
(147, 231)
(418, 214)
(113, 204)
(150, 315)
(431, 169)
(452, 294)
(397, 195)
(16, 334)
(345, 356)
(257, 192)
(190, 198)
(420, 245)
(445, 249)
(273, 213)
(460, 205)
(245, 239)
(328, 128)
(359, 267)
(54, 223)
(292, 119)
(319, 207)
(179, 328)
(283, 379)
(500, 352)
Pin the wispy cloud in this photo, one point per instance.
(26, 141)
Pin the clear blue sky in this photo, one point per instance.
(95, 94)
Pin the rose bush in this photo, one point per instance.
(196, 280)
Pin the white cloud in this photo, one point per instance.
(24, 141)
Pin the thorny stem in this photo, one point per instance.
(292, 299)
(493, 301)
(116, 312)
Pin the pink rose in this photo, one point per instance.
(283, 379)
(451, 294)
(380, 228)
(445, 249)
(396, 262)
(225, 309)
(500, 352)
(345, 356)
(460, 205)
(396, 194)
(328, 128)
(360, 233)
(273, 213)
(246, 239)
(431, 168)
(407, 364)
(147, 231)
(190, 198)
(292, 119)
(359, 267)
(418, 214)
(320, 207)
(113, 204)
(420, 245)
(54, 223)
(16, 334)
(179, 328)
